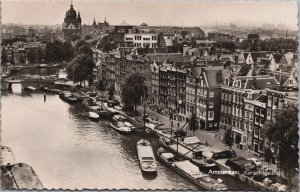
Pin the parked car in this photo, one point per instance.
(128, 108)
(255, 161)
(112, 103)
(240, 164)
(91, 94)
(224, 154)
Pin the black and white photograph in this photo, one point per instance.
(149, 95)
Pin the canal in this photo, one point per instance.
(68, 151)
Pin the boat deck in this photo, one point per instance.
(25, 177)
(7, 156)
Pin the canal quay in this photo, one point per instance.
(69, 151)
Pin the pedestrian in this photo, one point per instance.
(44, 97)
(206, 143)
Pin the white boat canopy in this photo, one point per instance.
(191, 140)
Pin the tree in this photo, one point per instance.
(85, 49)
(80, 68)
(68, 50)
(111, 92)
(228, 139)
(4, 58)
(87, 37)
(193, 125)
(54, 51)
(268, 154)
(80, 43)
(40, 55)
(238, 139)
(32, 56)
(283, 132)
(101, 86)
(133, 89)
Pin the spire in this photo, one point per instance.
(71, 6)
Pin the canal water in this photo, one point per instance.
(68, 151)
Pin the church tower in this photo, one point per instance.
(72, 22)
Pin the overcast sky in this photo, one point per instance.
(153, 13)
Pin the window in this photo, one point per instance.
(269, 114)
(291, 81)
(250, 127)
(251, 115)
(210, 124)
(256, 132)
(211, 94)
(269, 101)
(246, 114)
(216, 124)
(153, 38)
(222, 108)
(246, 125)
(275, 102)
(210, 115)
(211, 104)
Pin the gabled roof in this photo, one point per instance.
(244, 70)
(261, 83)
(212, 78)
(277, 57)
(281, 77)
(165, 57)
(246, 54)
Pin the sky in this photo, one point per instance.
(51, 12)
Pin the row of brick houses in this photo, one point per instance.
(239, 96)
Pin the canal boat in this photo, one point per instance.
(91, 115)
(105, 114)
(146, 156)
(25, 177)
(120, 127)
(30, 88)
(194, 155)
(7, 156)
(121, 118)
(48, 66)
(117, 118)
(50, 90)
(190, 171)
(68, 97)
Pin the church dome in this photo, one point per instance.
(71, 13)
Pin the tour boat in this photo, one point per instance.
(68, 97)
(197, 157)
(120, 127)
(146, 156)
(91, 115)
(190, 171)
